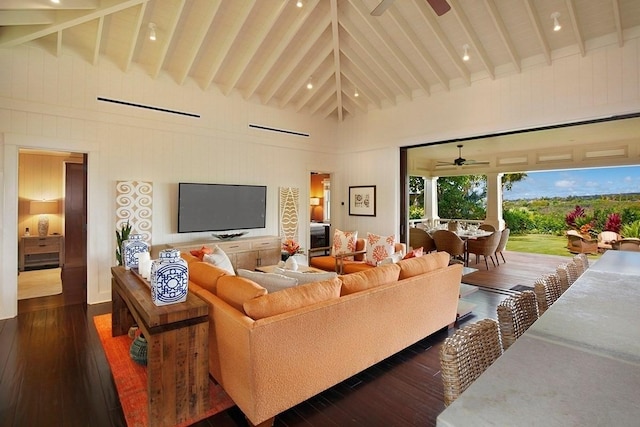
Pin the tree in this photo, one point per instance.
(508, 179)
(462, 196)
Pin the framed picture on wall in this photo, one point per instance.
(362, 200)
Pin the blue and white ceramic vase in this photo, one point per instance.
(169, 278)
(131, 248)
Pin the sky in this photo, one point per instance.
(576, 182)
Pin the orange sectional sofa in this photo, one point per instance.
(272, 351)
(343, 266)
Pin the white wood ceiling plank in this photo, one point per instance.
(98, 41)
(431, 21)
(364, 68)
(575, 25)
(319, 81)
(301, 79)
(363, 88)
(374, 55)
(474, 41)
(503, 33)
(168, 34)
(210, 9)
(267, 24)
(336, 55)
(281, 49)
(391, 45)
(537, 28)
(224, 47)
(134, 37)
(618, 20)
(295, 59)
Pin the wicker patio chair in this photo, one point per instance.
(582, 261)
(467, 354)
(515, 314)
(547, 289)
(486, 227)
(419, 238)
(448, 241)
(485, 247)
(504, 238)
(568, 273)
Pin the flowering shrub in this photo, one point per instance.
(613, 223)
(290, 246)
(581, 222)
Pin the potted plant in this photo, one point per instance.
(584, 224)
(121, 236)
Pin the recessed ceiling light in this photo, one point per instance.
(299, 3)
(55, 1)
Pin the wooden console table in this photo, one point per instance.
(178, 348)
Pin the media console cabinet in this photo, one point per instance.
(244, 252)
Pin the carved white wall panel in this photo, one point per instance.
(134, 203)
(289, 218)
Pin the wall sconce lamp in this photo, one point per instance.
(152, 31)
(314, 201)
(556, 23)
(43, 208)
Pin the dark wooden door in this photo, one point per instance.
(75, 226)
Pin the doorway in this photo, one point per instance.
(320, 209)
(57, 254)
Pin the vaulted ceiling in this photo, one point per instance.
(269, 50)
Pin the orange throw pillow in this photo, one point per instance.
(200, 253)
(414, 253)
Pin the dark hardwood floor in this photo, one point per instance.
(53, 372)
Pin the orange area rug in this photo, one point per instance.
(131, 378)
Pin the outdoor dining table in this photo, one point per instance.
(578, 364)
(465, 235)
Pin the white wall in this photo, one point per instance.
(50, 102)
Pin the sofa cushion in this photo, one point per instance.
(306, 277)
(205, 275)
(292, 299)
(235, 291)
(272, 282)
(344, 242)
(424, 264)
(220, 259)
(370, 278)
(379, 248)
(200, 253)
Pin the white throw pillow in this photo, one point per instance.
(379, 248)
(272, 282)
(220, 260)
(393, 259)
(344, 242)
(308, 277)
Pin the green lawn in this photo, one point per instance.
(540, 244)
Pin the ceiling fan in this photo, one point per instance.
(460, 161)
(440, 7)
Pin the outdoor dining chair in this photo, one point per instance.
(466, 354)
(502, 245)
(448, 241)
(515, 314)
(485, 247)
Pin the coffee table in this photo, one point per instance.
(178, 347)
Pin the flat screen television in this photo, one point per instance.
(219, 207)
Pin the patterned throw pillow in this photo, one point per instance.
(218, 258)
(379, 248)
(344, 242)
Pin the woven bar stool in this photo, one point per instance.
(515, 314)
(467, 354)
(582, 262)
(547, 289)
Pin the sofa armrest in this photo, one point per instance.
(318, 249)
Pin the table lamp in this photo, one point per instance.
(43, 208)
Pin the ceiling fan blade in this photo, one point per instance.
(381, 7)
(440, 7)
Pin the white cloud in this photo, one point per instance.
(564, 183)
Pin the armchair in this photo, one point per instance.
(606, 239)
(579, 244)
(340, 264)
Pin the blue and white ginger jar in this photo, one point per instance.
(169, 278)
(131, 248)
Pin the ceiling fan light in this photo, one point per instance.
(556, 23)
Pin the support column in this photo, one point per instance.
(431, 198)
(494, 201)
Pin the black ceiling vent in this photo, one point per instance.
(270, 129)
(148, 107)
